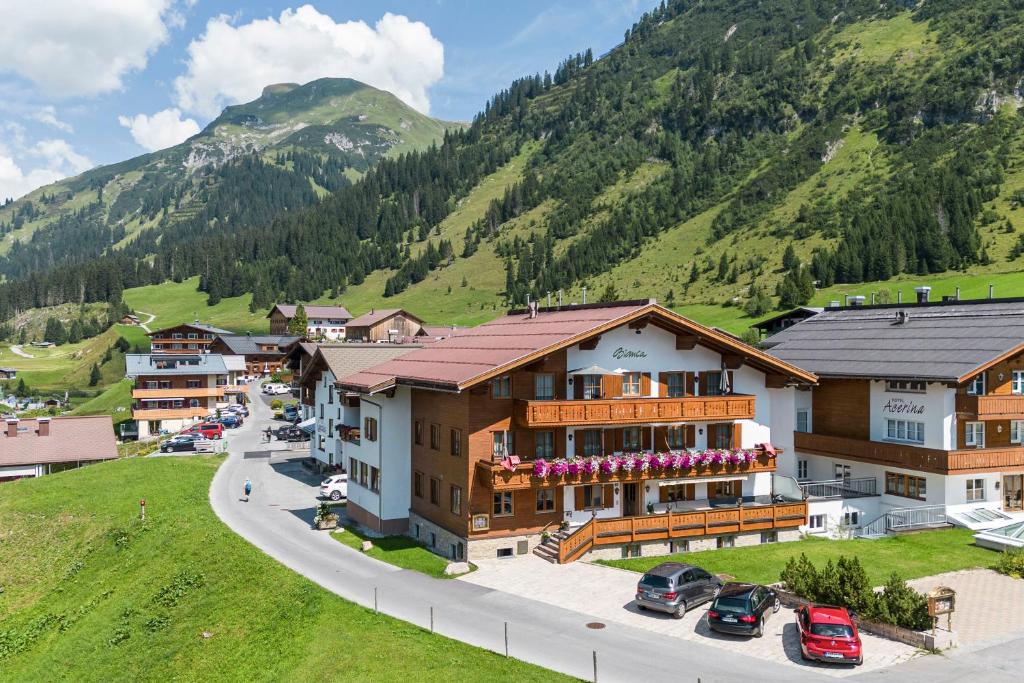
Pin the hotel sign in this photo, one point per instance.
(622, 352)
(901, 406)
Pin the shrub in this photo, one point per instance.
(800, 576)
(1011, 563)
(901, 605)
(276, 404)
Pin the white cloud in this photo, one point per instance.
(161, 130)
(48, 114)
(56, 160)
(80, 48)
(230, 64)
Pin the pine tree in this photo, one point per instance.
(789, 259)
(694, 273)
(21, 391)
(609, 293)
(94, 375)
(299, 322)
(723, 267)
(55, 331)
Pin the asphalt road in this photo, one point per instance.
(277, 520)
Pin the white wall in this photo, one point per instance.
(936, 408)
(391, 453)
(330, 453)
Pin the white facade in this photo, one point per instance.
(326, 328)
(325, 445)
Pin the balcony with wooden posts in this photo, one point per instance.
(907, 456)
(170, 413)
(681, 524)
(533, 414)
(1004, 407)
(510, 477)
(170, 394)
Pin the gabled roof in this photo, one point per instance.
(479, 353)
(71, 439)
(798, 312)
(940, 341)
(379, 315)
(139, 364)
(202, 327)
(288, 310)
(249, 344)
(344, 359)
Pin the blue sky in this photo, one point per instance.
(89, 82)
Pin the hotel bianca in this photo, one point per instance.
(917, 418)
(604, 430)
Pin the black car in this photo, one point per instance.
(182, 442)
(296, 434)
(674, 587)
(741, 609)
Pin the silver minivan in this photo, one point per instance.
(674, 587)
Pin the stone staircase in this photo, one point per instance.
(548, 548)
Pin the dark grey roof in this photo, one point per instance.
(197, 325)
(798, 312)
(949, 341)
(245, 344)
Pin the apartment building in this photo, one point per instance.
(322, 322)
(264, 353)
(187, 338)
(918, 416)
(171, 391)
(624, 428)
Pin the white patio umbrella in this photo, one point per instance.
(593, 370)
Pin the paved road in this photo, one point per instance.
(277, 518)
(16, 350)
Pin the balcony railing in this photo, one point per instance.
(196, 392)
(963, 461)
(500, 478)
(841, 488)
(170, 413)
(532, 414)
(683, 524)
(990, 407)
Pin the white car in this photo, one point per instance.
(278, 389)
(334, 487)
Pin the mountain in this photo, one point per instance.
(282, 151)
(727, 153)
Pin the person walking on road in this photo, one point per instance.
(248, 489)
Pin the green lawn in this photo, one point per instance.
(93, 594)
(911, 555)
(116, 396)
(177, 302)
(400, 551)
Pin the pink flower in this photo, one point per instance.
(734, 458)
(750, 457)
(610, 465)
(591, 465)
(540, 468)
(559, 467)
(575, 467)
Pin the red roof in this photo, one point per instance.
(313, 311)
(378, 315)
(71, 439)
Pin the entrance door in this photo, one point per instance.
(629, 500)
(1013, 492)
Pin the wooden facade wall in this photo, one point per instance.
(841, 407)
(406, 327)
(278, 323)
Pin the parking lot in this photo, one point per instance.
(607, 593)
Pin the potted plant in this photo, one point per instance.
(650, 508)
(326, 517)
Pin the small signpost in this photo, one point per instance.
(941, 601)
(142, 509)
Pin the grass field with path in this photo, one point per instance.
(93, 594)
(910, 555)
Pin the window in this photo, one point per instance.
(976, 387)
(723, 436)
(417, 487)
(714, 383)
(904, 430)
(591, 386)
(724, 489)
(501, 444)
(544, 387)
(631, 439)
(501, 387)
(193, 335)
(176, 346)
(905, 385)
(816, 522)
(1016, 431)
(591, 442)
(192, 383)
(769, 537)
(435, 437)
(974, 434)
(374, 479)
(165, 384)
(502, 504)
(455, 500)
(905, 485)
(193, 346)
(435, 491)
(676, 492)
(178, 403)
(330, 394)
(676, 436)
(176, 335)
(725, 542)
(456, 445)
(851, 518)
(803, 420)
(675, 385)
(545, 444)
(975, 490)
(193, 403)
(631, 384)
(801, 469)
(545, 500)
(840, 471)
(369, 427)
(593, 497)
(1017, 384)
(417, 432)
(151, 385)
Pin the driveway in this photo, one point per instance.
(989, 605)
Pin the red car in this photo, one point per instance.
(209, 430)
(828, 634)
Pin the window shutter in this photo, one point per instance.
(645, 437)
(660, 439)
(663, 384)
(690, 492)
(578, 492)
(691, 436)
(737, 435)
(662, 494)
(712, 432)
(577, 387)
(608, 497)
(619, 439)
(611, 386)
(645, 384)
(577, 443)
(732, 387)
(703, 384)
(689, 382)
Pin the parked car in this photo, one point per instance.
(290, 412)
(741, 609)
(674, 587)
(237, 409)
(276, 389)
(182, 442)
(295, 434)
(229, 421)
(828, 634)
(210, 430)
(334, 487)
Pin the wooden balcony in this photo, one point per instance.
(623, 411)
(1009, 407)
(170, 413)
(681, 524)
(905, 456)
(235, 388)
(494, 476)
(199, 392)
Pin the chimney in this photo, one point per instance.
(549, 299)
(12, 426)
(44, 426)
(957, 294)
(922, 294)
(584, 295)
(856, 301)
(846, 299)
(991, 291)
(872, 298)
(533, 309)
(899, 296)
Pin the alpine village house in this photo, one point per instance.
(610, 429)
